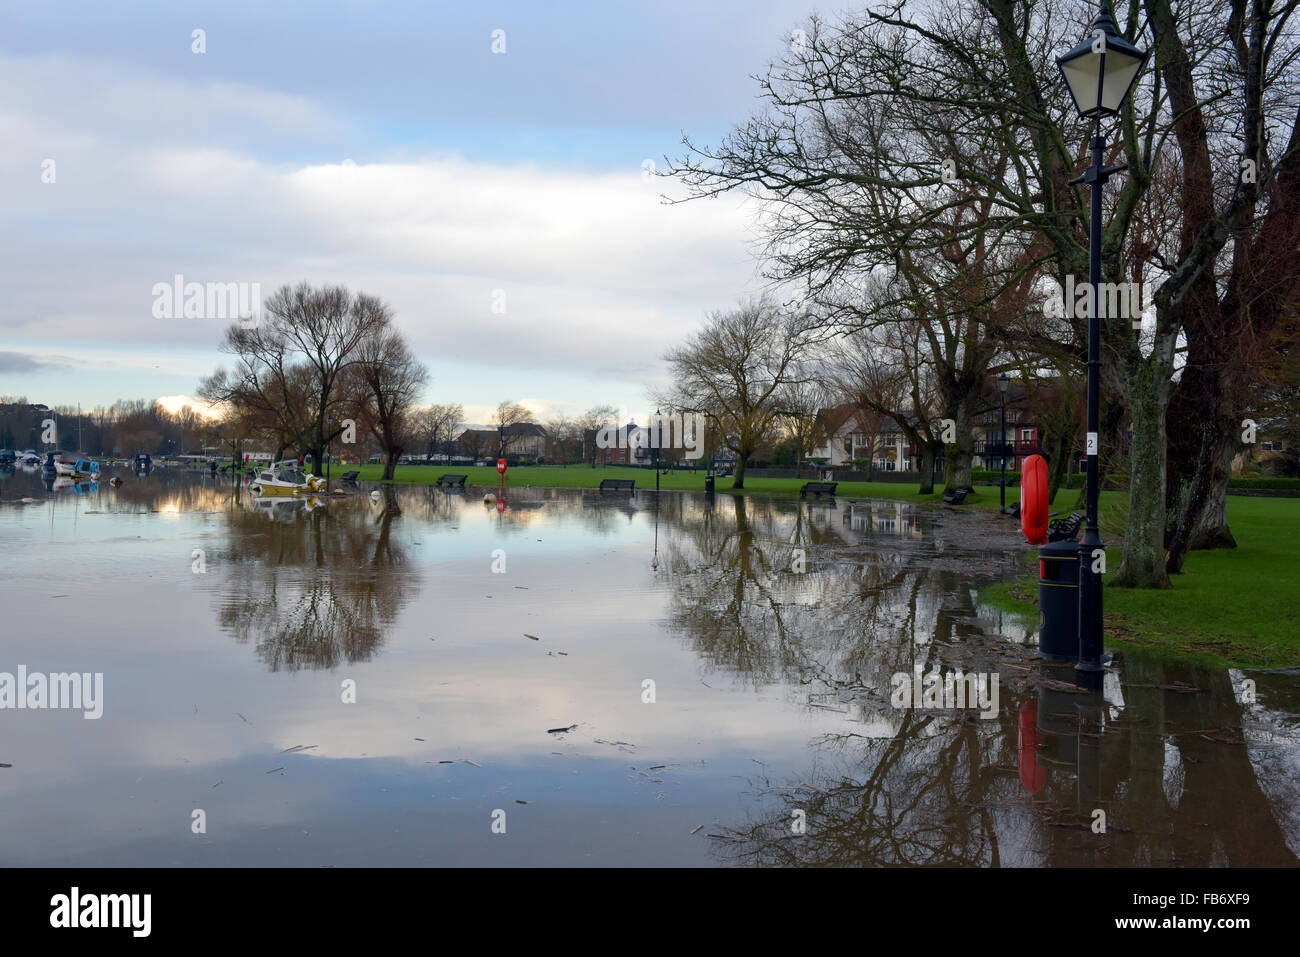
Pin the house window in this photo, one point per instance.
(1026, 435)
(1272, 446)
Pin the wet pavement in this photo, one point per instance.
(415, 678)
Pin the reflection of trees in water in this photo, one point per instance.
(321, 589)
(915, 787)
(904, 799)
(859, 612)
(1168, 769)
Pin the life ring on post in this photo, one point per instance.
(1033, 500)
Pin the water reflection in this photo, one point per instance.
(314, 584)
(774, 628)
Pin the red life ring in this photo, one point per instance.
(1033, 500)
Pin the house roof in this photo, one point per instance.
(838, 416)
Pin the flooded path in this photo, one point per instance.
(414, 678)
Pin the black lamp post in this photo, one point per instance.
(1004, 382)
(657, 434)
(1099, 73)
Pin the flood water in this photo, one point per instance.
(351, 682)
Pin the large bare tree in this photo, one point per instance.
(991, 121)
(290, 366)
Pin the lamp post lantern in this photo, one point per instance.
(1099, 73)
(1004, 382)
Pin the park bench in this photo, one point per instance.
(351, 476)
(618, 485)
(1065, 529)
(451, 481)
(818, 488)
(956, 497)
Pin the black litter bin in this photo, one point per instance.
(1058, 601)
(708, 484)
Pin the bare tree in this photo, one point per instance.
(508, 414)
(591, 422)
(388, 379)
(566, 438)
(289, 367)
(800, 405)
(733, 371)
(896, 104)
(438, 423)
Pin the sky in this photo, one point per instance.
(498, 201)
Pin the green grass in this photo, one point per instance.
(1234, 607)
(584, 476)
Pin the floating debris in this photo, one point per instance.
(472, 764)
(273, 770)
(534, 637)
(697, 828)
(298, 747)
(419, 739)
(560, 730)
(517, 801)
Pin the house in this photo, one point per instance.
(853, 434)
(523, 440)
(1024, 436)
(625, 445)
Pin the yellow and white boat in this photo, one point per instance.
(285, 479)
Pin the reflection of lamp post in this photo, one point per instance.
(1099, 72)
(1004, 381)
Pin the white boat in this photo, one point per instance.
(285, 479)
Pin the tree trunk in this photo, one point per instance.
(1143, 564)
(957, 460)
(1201, 456)
(739, 480)
(927, 469)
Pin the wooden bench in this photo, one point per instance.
(956, 497)
(618, 485)
(818, 488)
(350, 476)
(451, 481)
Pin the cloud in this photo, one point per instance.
(175, 403)
(506, 276)
(21, 363)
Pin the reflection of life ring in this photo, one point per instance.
(1032, 774)
(1033, 500)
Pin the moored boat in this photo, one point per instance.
(286, 479)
